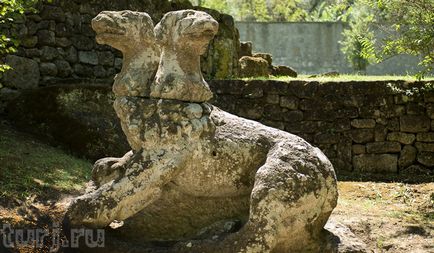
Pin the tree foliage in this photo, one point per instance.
(259, 10)
(380, 29)
(9, 11)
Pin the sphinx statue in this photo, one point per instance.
(197, 176)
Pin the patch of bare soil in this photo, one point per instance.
(389, 217)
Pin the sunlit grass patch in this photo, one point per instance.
(29, 167)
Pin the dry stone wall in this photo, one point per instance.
(380, 127)
(58, 43)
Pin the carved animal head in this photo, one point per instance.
(124, 30)
(186, 30)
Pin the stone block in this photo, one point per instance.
(50, 12)
(292, 116)
(363, 123)
(415, 123)
(83, 70)
(71, 55)
(99, 71)
(83, 42)
(393, 124)
(49, 53)
(425, 137)
(415, 109)
(421, 146)
(407, 156)
(362, 135)
(327, 138)
(63, 68)
(48, 68)
(46, 38)
(88, 57)
(272, 112)
(289, 102)
(359, 149)
(63, 42)
(106, 58)
(383, 147)
(29, 41)
(272, 99)
(426, 158)
(403, 138)
(380, 132)
(24, 73)
(376, 163)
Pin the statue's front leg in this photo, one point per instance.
(121, 199)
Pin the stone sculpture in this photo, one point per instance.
(194, 168)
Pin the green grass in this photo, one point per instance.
(31, 168)
(339, 78)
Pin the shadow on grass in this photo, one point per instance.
(29, 167)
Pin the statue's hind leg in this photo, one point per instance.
(288, 209)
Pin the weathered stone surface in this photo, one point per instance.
(426, 158)
(53, 12)
(136, 40)
(292, 116)
(29, 41)
(383, 147)
(415, 109)
(363, 123)
(376, 163)
(265, 56)
(421, 146)
(425, 137)
(64, 69)
(71, 55)
(282, 70)
(289, 102)
(415, 124)
(343, 240)
(415, 170)
(83, 70)
(246, 48)
(407, 156)
(403, 138)
(182, 45)
(63, 42)
(380, 132)
(88, 57)
(253, 67)
(99, 71)
(362, 135)
(272, 99)
(359, 149)
(48, 68)
(46, 38)
(82, 42)
(24, 73)
(106, 58)
(49, 53)
(178, 151)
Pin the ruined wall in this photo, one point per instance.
(384, 127)
(313, 47)
(378, 126)
(58, 43)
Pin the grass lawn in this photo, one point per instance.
(340, 78)
(29, 167)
